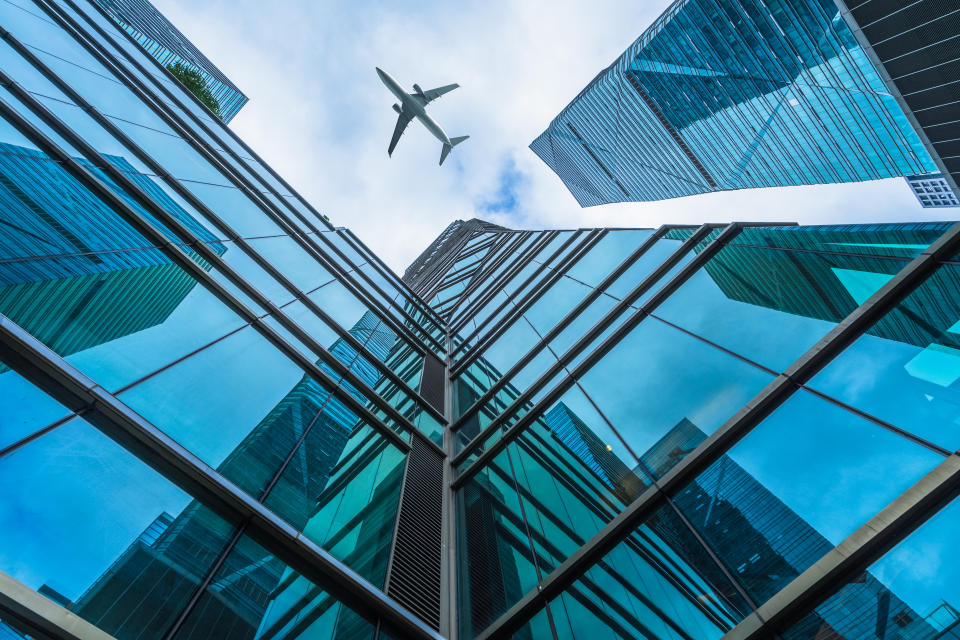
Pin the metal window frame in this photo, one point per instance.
(179, 256)
(487, 291)
(568, 319)
(222, 226)
(869, 542)
(310, 243)
(48, 371)
(606, 321)
(542, 284)
(488, 272)
(478, 291)
(430, 280)
(360, 247)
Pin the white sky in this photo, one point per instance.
(320, 116)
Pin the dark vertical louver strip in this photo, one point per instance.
(414, 579)
(431, 382)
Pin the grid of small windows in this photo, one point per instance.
(933, 191)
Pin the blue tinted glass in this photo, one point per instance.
(772, 305)
(657, 378)
(607, 254)
(255, 595)
(106, 569)
(644, 265)
(913, 359)
(23, 407)
(293, 261)
(217, 399)
(116, 316)
(510, 346)
(343, 493)
(732, 95)
(911, 592)
(491, 533)
(659, 582)
(555, 303)
(894, 240)
(797, 485)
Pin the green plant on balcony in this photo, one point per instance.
(193, 80)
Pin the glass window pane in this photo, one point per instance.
(607, 254)
(496, 566)
(342, 490)
(229, 405)
(656, 378)
(786, 299)
(911, 592)
(115, 316)
(255, 595)
(657, 583)
(24, 409)
(902, 240)
(913, 359)
(797, 485)
(132, 567)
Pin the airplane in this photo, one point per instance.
(412, 106)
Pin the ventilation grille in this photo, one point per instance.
(432, 381)
(415, 573)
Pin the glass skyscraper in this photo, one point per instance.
(733, 94)
(163, 41)
(221, 417)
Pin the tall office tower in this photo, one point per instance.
(222, 417)
(163, 41)
(914, 46)
(735, 94)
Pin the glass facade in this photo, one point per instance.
(163, 41)
(732, 94)
(220, 417)
(676, 426)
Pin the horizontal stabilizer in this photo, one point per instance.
(447, 147)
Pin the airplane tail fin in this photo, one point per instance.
(447, 147)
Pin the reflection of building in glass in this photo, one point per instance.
(765, 544)
(66, 252)
(467, 492)
(569, 429)
(731, 95)
(823, 285)
(318, 428)
(164, 42)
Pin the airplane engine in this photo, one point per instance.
(397, 108)
(417, 88)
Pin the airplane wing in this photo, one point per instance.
(433, 94)
(402, 123)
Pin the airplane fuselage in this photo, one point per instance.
(413, 104)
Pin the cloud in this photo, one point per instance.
(320, 116)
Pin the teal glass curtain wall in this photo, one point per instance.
(732, 94)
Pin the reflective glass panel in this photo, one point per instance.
(905, 368)
(797, 485)
(129, 570)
